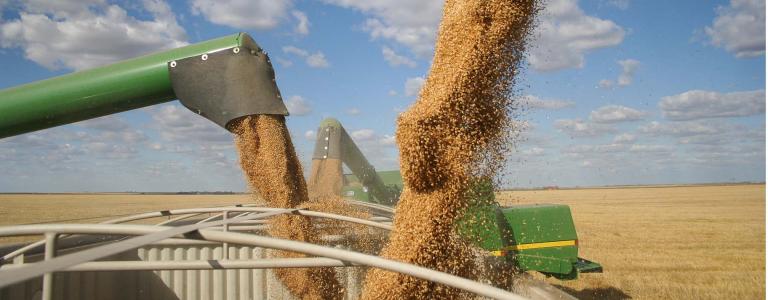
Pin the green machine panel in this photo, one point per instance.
(538, 223)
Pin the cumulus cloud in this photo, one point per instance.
(566, 34)
(310, 135)
(298, 106)
(413, 86)
(363, 135)
(317, 60)
(284, 62)
(628, 69)
(81, 35)
(712, 132)
(352, 111)
(250, 14)
(581, 128)
(624, 138)
(620, 4)
(615, 114)
(409, 23)
(533, 102)
(698, 104)
(396, 60)
(387, 140)
(178, 124)
(740, 28)
(314, 60)
(295, 51)
(302, 22)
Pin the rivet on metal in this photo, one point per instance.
(173, 64)
(236, 50)
(204, 57)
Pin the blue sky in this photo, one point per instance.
(615, 91)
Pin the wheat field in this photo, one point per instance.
(681, 242)
(694, 242)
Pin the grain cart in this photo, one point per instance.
(538, 237)
(199, 253)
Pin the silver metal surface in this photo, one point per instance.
(242, 239)
(7, 278)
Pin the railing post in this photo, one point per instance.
(225, 245)
(50, 253)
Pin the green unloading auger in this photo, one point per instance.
(333, 142)
(221, 79)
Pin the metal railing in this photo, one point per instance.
(202, 232)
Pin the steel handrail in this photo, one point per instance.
(478, 288)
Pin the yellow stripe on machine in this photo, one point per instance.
(533, 246)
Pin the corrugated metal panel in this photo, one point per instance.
(162, 285)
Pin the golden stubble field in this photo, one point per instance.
(694, 242)
(94, 208)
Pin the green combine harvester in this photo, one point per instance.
(537, 237)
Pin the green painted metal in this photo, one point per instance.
(83, 95)
(480, 223)
(537, 223)
(500, 230)
(333, 142)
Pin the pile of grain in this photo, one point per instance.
(326, 177)
(325, 182)
(272, 170)
(456, 131)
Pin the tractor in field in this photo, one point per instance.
(224, 252)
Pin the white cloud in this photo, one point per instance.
(566, 34)
(302, 22)
(615, 113)
(251, 14)
(620, 4)
(108, 123)
(413, 86)
(178, 124)
(392, 93)
(284, 62)
(533, 151)
(624, 138)
(410, 23)
(698, 104)
(740, 28)
(396, 60)
(352, 111)
(363, 135)
(711, 132)
(295, 51)
(533, 102)
(62, 34)
(317, 60)
(298, 106)
(581, 128)
(388, 140)
(628, 69)
(314, 60)
(310, 135)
